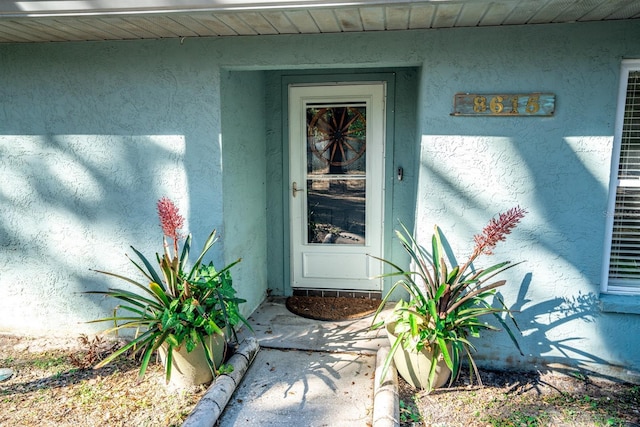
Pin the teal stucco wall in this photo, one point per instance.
(92, 134)
(556, 167)
(243, 141)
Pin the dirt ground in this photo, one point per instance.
(53, 385)
(514, 399)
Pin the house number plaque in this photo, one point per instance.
(514, 105)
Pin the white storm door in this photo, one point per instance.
(336, 164)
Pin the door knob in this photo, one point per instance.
(294, 189)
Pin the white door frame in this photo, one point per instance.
(336, 266)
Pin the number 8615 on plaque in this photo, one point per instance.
(514, 105)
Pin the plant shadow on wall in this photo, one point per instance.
(430, 333)
(560, 355)
(183, 307)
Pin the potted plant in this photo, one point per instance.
(429, 333)
(183, 310)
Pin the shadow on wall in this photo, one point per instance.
(77, 202)
(567, 328)
(558, 352)
(92, 136)
(555, 339)
(562, 183)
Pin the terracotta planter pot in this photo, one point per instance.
(190, 368)
(414, 367)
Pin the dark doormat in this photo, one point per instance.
(332, 308)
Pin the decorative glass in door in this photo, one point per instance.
(336, 173)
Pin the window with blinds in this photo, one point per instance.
(624, 256)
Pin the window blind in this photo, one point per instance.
(624, 265)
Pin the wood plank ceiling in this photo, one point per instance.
(59, 21)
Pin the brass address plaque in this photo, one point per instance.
(510, 105)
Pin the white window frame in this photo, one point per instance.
(607, 285)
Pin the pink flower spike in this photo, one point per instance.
(497, 230)
(170, 219)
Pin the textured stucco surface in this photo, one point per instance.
(92, 134)
(556, 167)
(244, 173)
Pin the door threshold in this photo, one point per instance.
(306, 292)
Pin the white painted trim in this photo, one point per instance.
(627, 66)
(27, 8)
(353, 263)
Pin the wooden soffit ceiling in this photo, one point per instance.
(77, 20)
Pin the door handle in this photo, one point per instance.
(294, 188)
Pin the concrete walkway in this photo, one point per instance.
(307, 372)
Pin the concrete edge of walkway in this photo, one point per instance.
(386, 399)
(211, 405)
(386, 406)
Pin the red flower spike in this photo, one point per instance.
(170, 219)
(497, 230)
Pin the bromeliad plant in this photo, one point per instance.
(446, 300)
(181, 305)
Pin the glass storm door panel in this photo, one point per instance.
(336, 174)
(336, 167)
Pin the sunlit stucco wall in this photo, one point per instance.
(92, 134)
(556, 167)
